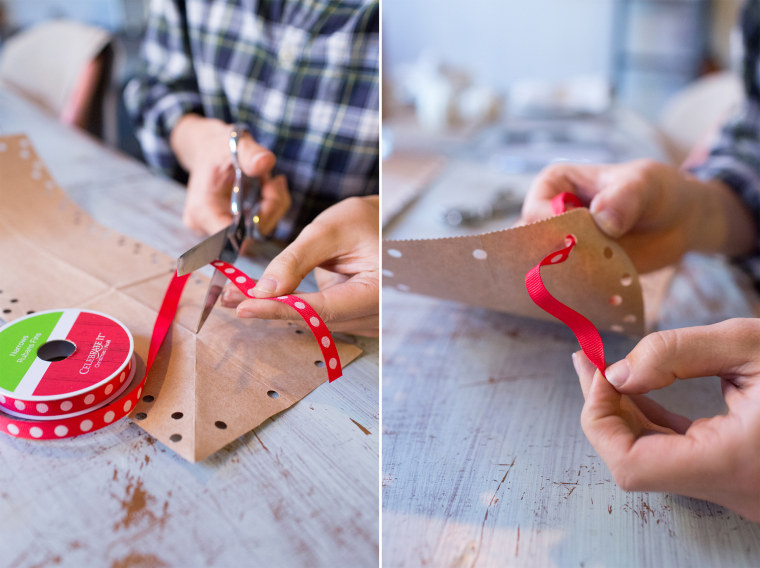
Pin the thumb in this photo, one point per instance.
(617, 208)
(254, 159)
(288, 268)
(722, 349)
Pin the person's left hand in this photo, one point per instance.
(342, 246)
(648, 448)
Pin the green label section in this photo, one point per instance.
(19, 344)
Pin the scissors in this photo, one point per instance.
(226, 244)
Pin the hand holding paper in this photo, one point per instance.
(648, 448)
(201, 146)
(342, 245)
(657, 212)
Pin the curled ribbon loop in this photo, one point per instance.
(564, 202)
(309, 315)
(585, 332)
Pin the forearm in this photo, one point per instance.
(373, 200)
(165, 87)
(732, 169)
(721, 221)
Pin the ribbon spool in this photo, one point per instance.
(62, 371)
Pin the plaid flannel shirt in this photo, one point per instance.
(303, 75)
(735, 156)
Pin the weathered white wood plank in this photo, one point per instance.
(485, 462)
(301, 490)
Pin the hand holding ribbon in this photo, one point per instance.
(341, 245)
(648, 448)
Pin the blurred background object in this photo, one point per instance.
(65, 67)
(694, 113)
(512, 86)
(549, 56)
(644, 51)
(73, 57)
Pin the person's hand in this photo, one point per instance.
(648, 448)
(342, 246)
(657, 212)
(202, 147)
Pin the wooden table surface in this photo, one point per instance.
(300, 490)
(484, 460)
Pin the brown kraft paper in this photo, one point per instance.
(598, 279)
(204, 390)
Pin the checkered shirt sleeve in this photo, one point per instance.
(735, 156)
(302, 75)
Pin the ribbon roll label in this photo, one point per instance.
(59, 423)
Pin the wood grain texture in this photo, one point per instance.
(484, 460)
(301, 490)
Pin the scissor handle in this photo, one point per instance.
(246, 192)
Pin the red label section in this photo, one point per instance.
(103, 348)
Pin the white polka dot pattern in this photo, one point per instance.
(302, 308)
(33, 407)
(67, 425)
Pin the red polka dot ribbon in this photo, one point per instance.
(125, 399)
(302, 308)
(79, 403)
(564, 202)
(587, 335)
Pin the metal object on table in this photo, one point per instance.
(501, 204)
(227, 243)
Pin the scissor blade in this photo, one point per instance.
(203, 253)
(214, 291)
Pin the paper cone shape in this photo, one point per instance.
(598, 279)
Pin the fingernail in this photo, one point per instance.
(608, 222)
(575, 363)
(243, 313)
(259, 156)
(617, 374)
(266, 285)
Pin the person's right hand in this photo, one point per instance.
(648, 448)
(202, 147)
(657, 212)
(341, 245)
